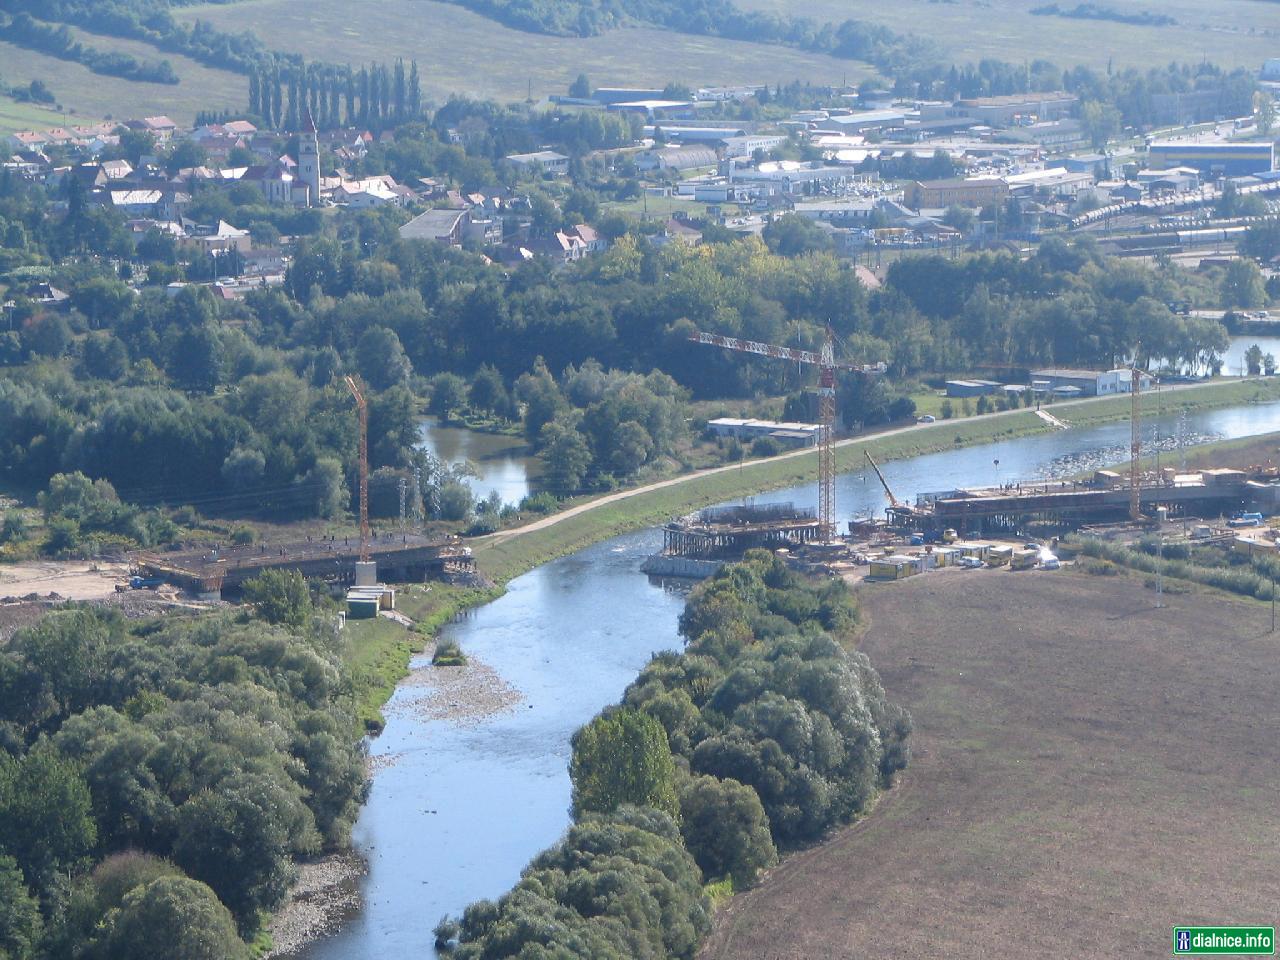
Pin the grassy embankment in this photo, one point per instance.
(381, 650)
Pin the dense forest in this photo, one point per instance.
(164, 775)
(760, 737)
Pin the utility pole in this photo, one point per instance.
(404, 493)
(417, 498)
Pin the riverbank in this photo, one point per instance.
(509, 553)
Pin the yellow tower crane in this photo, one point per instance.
(827, 366)
(357, 391)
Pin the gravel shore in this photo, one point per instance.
(465, 695)
(326, 895)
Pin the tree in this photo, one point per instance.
(1253, 360)
(20, 923)
(46, 811)
(791, 235)
(173, 918)
(488, 393)
(1242, 286)
(1264, 110)
(622, 758)
(104, 357)
(565, 454)
(725, 829)
(448, 394)
(49, 336)
(961, 218)
(279, 596)
(580, 88)
(1101, 122)
(243, 468)
(237, 839)
(381, 358)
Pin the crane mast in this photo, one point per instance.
(362, 406)
(827, 366)
(1135, 445)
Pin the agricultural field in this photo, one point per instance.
(1234, 33)
(462, 52)
(85, 96)
(1087, 771)
(27, 116)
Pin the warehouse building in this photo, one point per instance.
(1225, 159)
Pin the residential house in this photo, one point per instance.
(589, 237)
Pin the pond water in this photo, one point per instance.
(502, 463)
(458, 810)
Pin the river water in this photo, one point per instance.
(456, 810)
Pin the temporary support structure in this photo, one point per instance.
(353, 384)
(827, 366)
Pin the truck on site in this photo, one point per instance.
(1024, 560)
(1245, 519)
(140, 583)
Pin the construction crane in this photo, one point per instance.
(353, 384)
(1135, 444)
(894, 502)
(827, 365)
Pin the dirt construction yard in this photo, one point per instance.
(1088, 771)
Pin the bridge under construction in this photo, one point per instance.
(400, 557)
(1106, 497)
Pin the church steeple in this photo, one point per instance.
(309, 158)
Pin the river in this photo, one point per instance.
(456, 811)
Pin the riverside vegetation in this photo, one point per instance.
(757, 739)
(164, 775)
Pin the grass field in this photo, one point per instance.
(86, 96)
(1236, 33)
(26, 116)
(1087, 771)
(459, 51)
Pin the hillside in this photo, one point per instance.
(86, 96)
(464, 52)
(1231, 33)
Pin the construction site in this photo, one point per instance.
(949, 527)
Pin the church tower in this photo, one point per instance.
(309, 159)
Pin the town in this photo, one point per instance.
(710, 481)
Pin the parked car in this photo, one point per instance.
(970, 563)
(927, 418)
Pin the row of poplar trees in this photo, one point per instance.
(374, 97)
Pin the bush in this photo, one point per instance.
(241, 536)
(448, 654)
(540, 503)
(765, 447)
(279, 596)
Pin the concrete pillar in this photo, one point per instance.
(366, 573)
